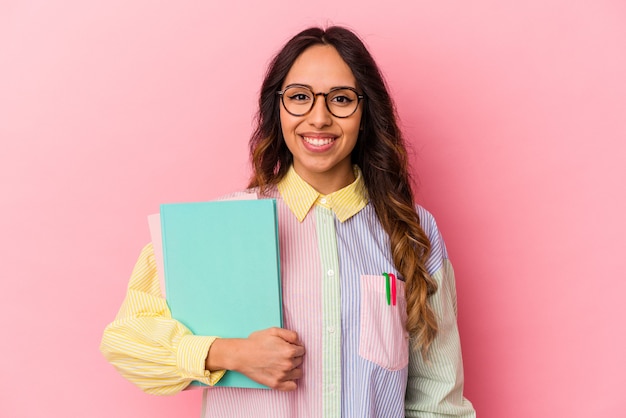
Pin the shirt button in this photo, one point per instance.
(331, 388)
(330, 273)
(323, 200)
(331, 330)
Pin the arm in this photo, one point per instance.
(147, 346)
(162, 357)
(435, 385)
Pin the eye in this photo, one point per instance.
(342, 100)
(299, 97)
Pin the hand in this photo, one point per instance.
(271, 357)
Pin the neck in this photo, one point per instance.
(328, 182)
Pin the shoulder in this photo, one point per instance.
(438, 252)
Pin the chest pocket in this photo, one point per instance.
(383, 339)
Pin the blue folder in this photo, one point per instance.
(222, 269)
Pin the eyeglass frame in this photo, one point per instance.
(359, 97)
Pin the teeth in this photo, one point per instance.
(318, 142)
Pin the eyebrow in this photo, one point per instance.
(313, 90)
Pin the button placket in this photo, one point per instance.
(331, 306)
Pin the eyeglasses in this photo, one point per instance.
(299, 99)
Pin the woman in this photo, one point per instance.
(328, 148)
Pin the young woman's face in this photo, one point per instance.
(320, 142)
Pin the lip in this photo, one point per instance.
(317, 141)
(321, 135)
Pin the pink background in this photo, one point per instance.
(516, 112)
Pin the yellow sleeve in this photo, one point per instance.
(148, 347)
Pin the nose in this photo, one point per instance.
(319, 116)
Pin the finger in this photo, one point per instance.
(287, 335)
(294, 374)
(298, 351)
(287, 386)
(297, 361)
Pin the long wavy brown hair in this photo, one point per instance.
(380, 153)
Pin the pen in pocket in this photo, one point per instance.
(390, 288)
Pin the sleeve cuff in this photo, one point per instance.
(191, 358)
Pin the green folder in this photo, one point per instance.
(222, 269)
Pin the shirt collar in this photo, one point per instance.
(300, 196)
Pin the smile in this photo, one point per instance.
(318, 142)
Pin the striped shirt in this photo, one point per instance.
(358, 362)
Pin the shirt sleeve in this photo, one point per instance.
(435, 383)
(147, 346)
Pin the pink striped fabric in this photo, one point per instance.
(302, 308)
